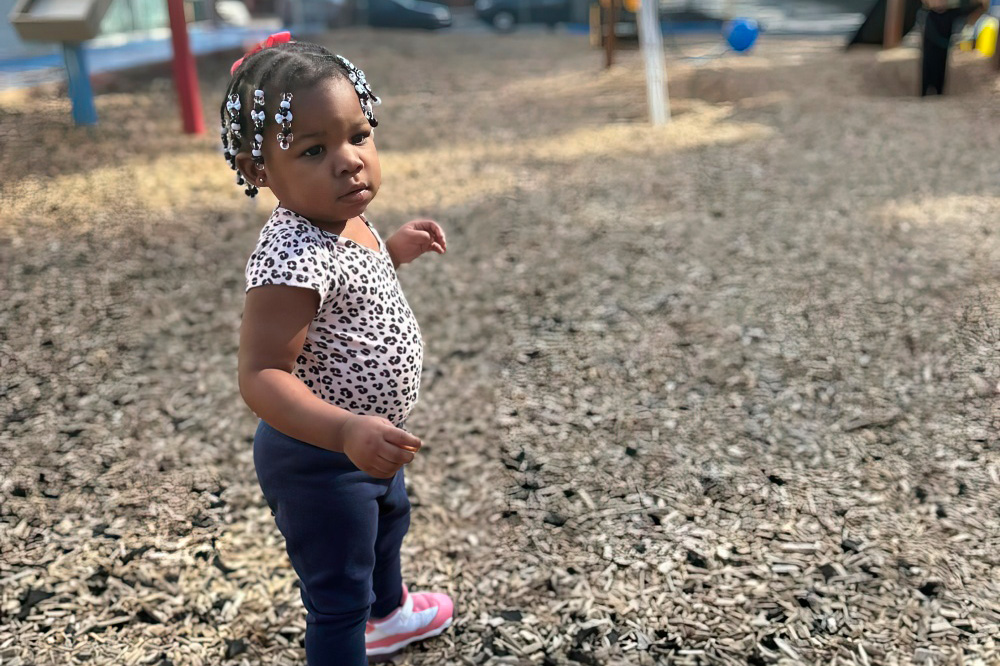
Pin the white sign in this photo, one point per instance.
(61, 9)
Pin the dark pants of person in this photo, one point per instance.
(343, 530)
(936, 43)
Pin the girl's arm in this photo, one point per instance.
(413, 239)
(275, 321)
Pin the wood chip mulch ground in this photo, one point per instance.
(719, 393)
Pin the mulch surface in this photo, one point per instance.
(723, 392)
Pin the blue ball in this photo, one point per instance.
(741, 33)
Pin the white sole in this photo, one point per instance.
(396, 647)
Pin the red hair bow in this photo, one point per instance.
(273, 40)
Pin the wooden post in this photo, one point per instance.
(996, 50)
(893, 33)
(185, 75)
(609, 34)
(596, 20)
(993, 9)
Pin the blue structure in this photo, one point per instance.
(122, 17)
(84, 111)
(38, 63)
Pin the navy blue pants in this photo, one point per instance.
(343, 530)
(938, 29)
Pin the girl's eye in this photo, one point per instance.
(313, 152)
(359, 139)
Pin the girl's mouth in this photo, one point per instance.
(356, 196)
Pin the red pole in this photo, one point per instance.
(185, 75)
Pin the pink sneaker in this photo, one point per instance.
(421, 615)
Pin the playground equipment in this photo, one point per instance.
(651, 40)
(72, 22)
(185, 74)
(69, 22)
(888, 21)
(986, 35)
(741, 33)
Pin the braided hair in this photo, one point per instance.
(262, 76)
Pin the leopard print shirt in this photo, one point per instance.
(363, 351)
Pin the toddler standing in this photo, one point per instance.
(330, 352)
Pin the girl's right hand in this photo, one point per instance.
(377, 447)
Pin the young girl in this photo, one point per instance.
(330, 352)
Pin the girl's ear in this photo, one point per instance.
(253, 173)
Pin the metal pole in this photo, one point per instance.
(651, 39)
(80, 92)
(185, 75)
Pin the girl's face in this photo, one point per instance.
(331, 172)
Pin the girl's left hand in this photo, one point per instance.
(413, 239)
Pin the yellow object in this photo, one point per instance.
(986, 40)
(967, 39)
(630, 5)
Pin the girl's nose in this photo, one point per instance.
(349, 163)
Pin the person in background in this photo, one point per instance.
(938, 28)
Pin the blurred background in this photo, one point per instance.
(135, 18)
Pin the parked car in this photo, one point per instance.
(504, 15)
(408, 14)
(325, 13)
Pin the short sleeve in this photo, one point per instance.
(290, 255)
